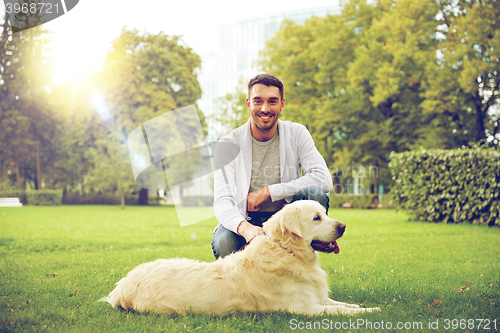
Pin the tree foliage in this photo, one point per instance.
(388, 75)
(145, 75)
(392, 75)
(78, 132)
(27, 123)
(233, 111)
(463, 84)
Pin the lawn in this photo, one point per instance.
(57, 262)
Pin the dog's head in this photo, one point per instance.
(304, 224)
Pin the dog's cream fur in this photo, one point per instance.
(277, 272)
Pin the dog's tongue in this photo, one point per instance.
(337, 248)
(325, 247)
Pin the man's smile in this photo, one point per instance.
(266, 117)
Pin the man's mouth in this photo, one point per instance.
(264, 117)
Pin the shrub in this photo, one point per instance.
(35, 197)
(72, 198)
(354, 201)
(461, 185)
(44, 197)
(15, 194)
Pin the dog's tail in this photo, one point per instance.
(114, 297)
(107, 299)
(118, 297)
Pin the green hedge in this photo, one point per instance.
(15, 194)
(461, 185)
(35, 197)
(74, 198)
(355, 201)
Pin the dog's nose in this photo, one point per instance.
(341, 227)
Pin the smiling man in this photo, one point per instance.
(278, 164)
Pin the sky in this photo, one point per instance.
(80, 38)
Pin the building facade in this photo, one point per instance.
(232, 57)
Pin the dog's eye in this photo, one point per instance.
(317, 218)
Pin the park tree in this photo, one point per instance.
(27, 125)
(293, 55)
(462, 92)
(386, 78)
(356, 79)
(144, 76)
(75, 139)
(233, 111)
(391, 76)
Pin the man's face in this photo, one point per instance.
(265, 106)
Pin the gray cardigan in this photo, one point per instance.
(297, 153)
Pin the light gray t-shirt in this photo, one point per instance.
(266, 170)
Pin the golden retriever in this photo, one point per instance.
(276, 271)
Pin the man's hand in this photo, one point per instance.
(249, 230)
(255, 198)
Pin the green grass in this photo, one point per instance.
(56, 262)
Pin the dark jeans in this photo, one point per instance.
(226, 242)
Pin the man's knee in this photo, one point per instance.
(315, 193)
(225, 242)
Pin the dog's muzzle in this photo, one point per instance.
(332, 246)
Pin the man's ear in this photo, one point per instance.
(290, 220)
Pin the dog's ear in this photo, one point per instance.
(290, 220)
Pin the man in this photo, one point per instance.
(266, 174)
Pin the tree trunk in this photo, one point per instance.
(143, 197)
(122, 194)
(18, 176)
(336, 182)
(38, 184)
(480, 119)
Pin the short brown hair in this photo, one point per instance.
(267, 80)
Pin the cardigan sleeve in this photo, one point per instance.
(225, 208)
(226, 181)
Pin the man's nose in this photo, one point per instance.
(265, 107)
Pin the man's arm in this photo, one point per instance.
(225, 205)
(313, 164)
(244, 228)
(248, 230)
(227, 210)
(255, 198)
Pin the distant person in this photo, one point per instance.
(267, 173)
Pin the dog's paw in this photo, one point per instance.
(373, 309)
(347, 305)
